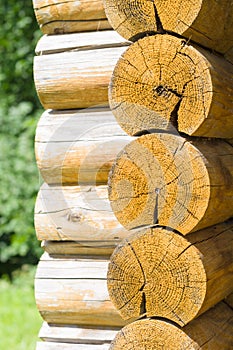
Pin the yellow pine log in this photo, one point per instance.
(162, 81)
(74, 291)
(75, 79)
(79, 77)
(82, 214)
(77, 334)
(176, 182)
(212, 330)
(78, 146)
(76, 248)
(58, 16)
(157, 272)
(206, 22)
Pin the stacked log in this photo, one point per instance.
(59, 17)
(212, 330)
(77, 77)
(74, 337)
(78, 147)
(150, 175)
(77, 140)
(157, 272)
(172, 84)
(205, 22)
(74, 291)
(77, 213)
(172, 185)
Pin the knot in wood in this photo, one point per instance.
(75, 216)
(161, 91)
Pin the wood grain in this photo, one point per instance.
(49, 44)
(78, 147)
(74, 291)
(159, 273)
(229, 300)
(77, 213)
(77, 248)
(182, 183)
(206, 22)
(58, 16)
(162, 82)
(77, 334)
(78, 72)
(212, 330)
(73, 80)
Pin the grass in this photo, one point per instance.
(20, 321)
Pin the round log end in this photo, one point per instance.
(157, 273)
(160, 178)
(162, 83)
(129, 18)
(152, 335)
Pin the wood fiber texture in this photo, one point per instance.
(207, 22)
(59, 17)
(77, 213)
(72, 80)
(185, 184)
(158, 273)
(74, 71)
(212, 330)
(78, 147)
(161, 82)
(77, 334)
(73, 291)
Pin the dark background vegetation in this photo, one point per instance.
(19, 113)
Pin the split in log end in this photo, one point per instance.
(159, 273)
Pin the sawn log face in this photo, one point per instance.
(212, 330)
(175, 182)
(206, 22)
(158, 273)
(163, 83)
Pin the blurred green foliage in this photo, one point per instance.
(19, 112)
(20, 320)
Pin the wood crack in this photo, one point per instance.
(74, 21)
(158, 21)
(52, 5)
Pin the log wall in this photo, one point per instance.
(194, 273)
(163, 90)
(74, 71)
(76, 143)
(99, 274)
(204, 22)
(78, 146)
(212, 330)
(59, 17)
(74, 291)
